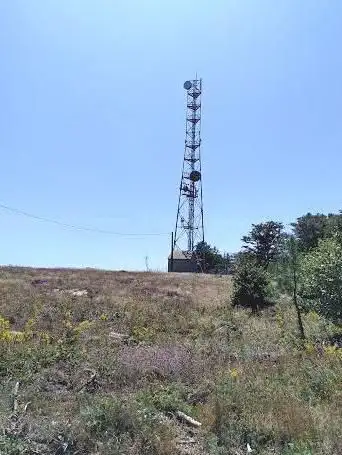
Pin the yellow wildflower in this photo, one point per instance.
(309, 348)
(280, 320)
(4, 324)
(333, 351)
(313, 316)
(83, 326)
(45, 337)
(234, 374)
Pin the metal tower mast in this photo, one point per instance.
(189, 224)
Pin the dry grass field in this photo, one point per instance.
(100, 363)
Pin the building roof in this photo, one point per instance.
(178, 254)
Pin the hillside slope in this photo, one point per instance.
(96, 362)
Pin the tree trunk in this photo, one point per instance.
(295, 298)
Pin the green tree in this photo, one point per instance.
(309, 229)
(321, 278)
(334, 225)
(264, 241)
(214, 261)
(251, 283)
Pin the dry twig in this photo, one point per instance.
(15, 397)
(188, 419)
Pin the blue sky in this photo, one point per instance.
(92, 121)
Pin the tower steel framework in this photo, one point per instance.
(189, 223)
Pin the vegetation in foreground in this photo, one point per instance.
(105, 371)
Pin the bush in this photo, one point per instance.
(321, 278)
(121, 425)
(105, 415)
(166, 398)
(251, 284)
(262, 413)
(10, 445)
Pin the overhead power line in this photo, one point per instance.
(76, 227)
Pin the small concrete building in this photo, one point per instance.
(182, 262)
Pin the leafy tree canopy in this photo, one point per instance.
(264, 241)
(321, 278)
(214, 261)
(309, 229)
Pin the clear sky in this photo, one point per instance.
(92, 118)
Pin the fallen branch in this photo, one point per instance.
(187, 441)
(118, 336)
(188, 419)
(26, 406)
(15, 397)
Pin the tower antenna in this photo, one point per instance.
(189, 230)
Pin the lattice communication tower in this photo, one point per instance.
(189, 224)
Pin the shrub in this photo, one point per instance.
(10, 445)
(251, 284)
(165, 398)
(121, 426)
(321, 278)
(260, 411)
(106, 415)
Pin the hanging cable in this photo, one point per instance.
(76, 227)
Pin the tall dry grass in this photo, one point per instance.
(105, 372)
